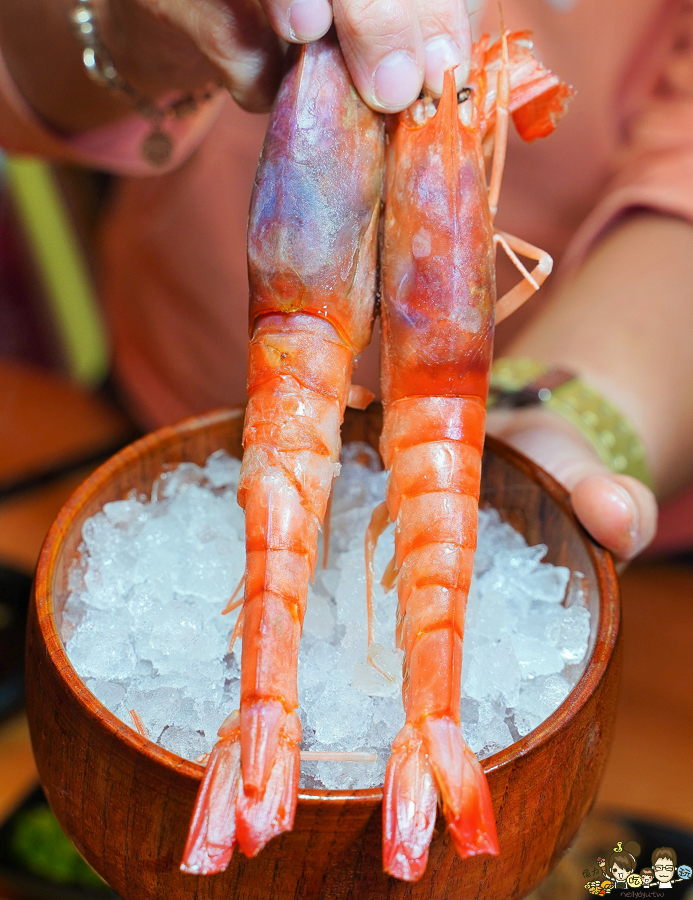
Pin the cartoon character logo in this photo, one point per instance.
(599, 888)
(647, 877)
(664, 865)
(618, 873)
(621, 865)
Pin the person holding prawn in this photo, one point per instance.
(609, 196)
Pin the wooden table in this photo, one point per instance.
(650, 771)
(46, 422)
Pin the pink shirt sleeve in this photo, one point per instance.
(654, 169)
(114, 148)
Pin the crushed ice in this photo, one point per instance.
(143, 626)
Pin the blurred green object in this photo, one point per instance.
(40, 845)
(62, 267)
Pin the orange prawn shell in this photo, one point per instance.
(440, 277)
(312, 238)
(314, 212)
(538, 98)
(438, 305)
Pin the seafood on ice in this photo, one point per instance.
(438, 316)
(312, 244)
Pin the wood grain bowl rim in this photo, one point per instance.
(605, 635)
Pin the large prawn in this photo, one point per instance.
(438, 313)
(312, 245)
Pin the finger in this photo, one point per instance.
(383, 48)
(237, 41)
(446, 34)
(299, 21)
(618, 511)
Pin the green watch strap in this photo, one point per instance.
(614, 439)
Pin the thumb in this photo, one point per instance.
(619, 511)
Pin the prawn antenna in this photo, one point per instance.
(502, 31)
(501, 127)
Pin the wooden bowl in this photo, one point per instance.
(126, 803)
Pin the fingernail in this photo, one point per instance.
(442, 53)
(619, 496)
(396, 81)
(309, 19)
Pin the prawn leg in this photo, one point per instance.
(380, 519)
(532, 281)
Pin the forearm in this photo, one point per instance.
(45, 60)
(160, 45)
(624, 323)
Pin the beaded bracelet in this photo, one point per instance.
(157, 147)
(516, 383)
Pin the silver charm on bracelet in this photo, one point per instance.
(157, 146)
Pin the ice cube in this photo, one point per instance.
(544, 622)
(100, 647)
(343, 776)
(381, 674)
(361, 456)
(469, 710)
(183, 742)
(341, 715)
(387, 660)
(176, 480)
(183, 636)
(222, 470)
(157, 708)
(526, 721)
(576, 593)
(351, 592)
(575, 634)
(124, 513)
(474, 736)
(494, 672)
(549, 584)
(319, 620)
(142, 623)
(535, 657)
(496, 736)
(110, 693)
(542, 696)
(494, 615)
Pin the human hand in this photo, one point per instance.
(163, 45)
(392, 47)
(619, 511)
